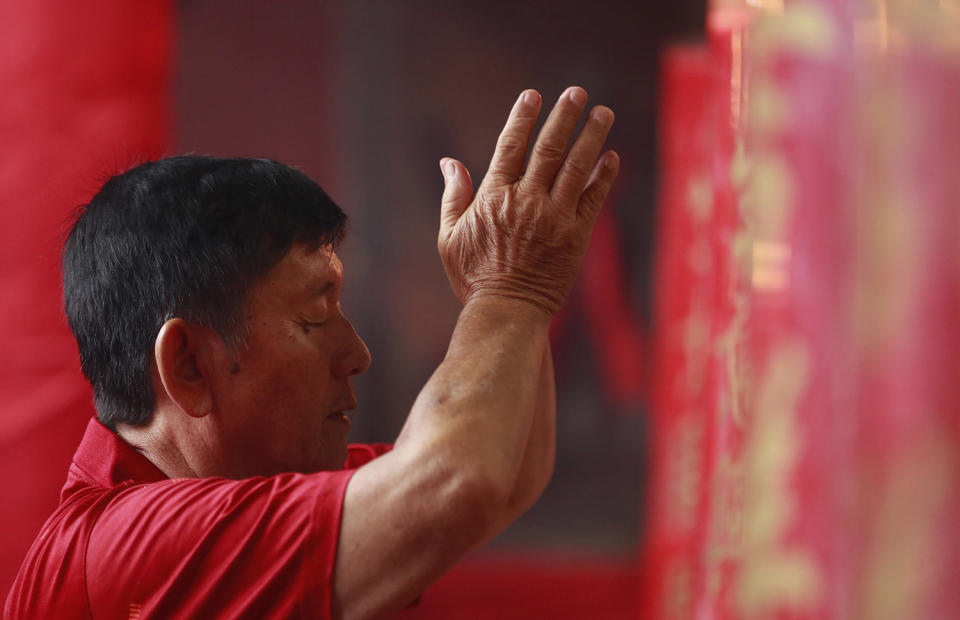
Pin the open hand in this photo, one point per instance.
(524, 233)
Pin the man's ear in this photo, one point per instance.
(178, 353)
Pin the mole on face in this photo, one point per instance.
(235, 368)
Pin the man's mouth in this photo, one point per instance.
(339, 416)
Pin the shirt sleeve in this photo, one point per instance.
(204, 548)
(359, 454)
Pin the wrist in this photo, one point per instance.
(517, 290)
(509, 308)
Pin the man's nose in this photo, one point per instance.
(355, 358)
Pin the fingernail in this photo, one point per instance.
(602, 115)
(577, 95)
(610, 160)
(531, 97)
(443, 166)
(451, 169)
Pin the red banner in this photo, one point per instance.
(798, 210)
(807, 403)
(907, 304)
(681, 424)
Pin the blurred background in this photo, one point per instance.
(757, 370)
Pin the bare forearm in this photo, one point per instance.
(541, 447)
(539, 454)
(477, 410)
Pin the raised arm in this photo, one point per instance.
(539, 454)
(511, 253)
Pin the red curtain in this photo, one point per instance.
(85, 94)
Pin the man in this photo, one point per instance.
(204, 295)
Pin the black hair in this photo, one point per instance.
(180, 237)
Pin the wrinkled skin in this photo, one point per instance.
(525, 231)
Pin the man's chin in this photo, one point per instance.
(333, 440)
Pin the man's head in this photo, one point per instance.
(188, 274)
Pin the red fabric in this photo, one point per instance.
(360, 453)
(85, 93)
(126, 541)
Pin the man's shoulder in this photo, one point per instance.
(181, 524)
(99, 538)
(57, 556)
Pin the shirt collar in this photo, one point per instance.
(104, 459)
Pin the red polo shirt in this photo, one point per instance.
(128, 542)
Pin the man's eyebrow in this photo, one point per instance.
(320, 287)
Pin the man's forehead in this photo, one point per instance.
(327, 271)
(318, 264)
(307, 270)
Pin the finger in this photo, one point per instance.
(601, 179)
(582, 158)
(457, 192)
(507, 163)
(552, 142)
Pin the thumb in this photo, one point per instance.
(457, 192)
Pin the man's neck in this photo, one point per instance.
(157, 442)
